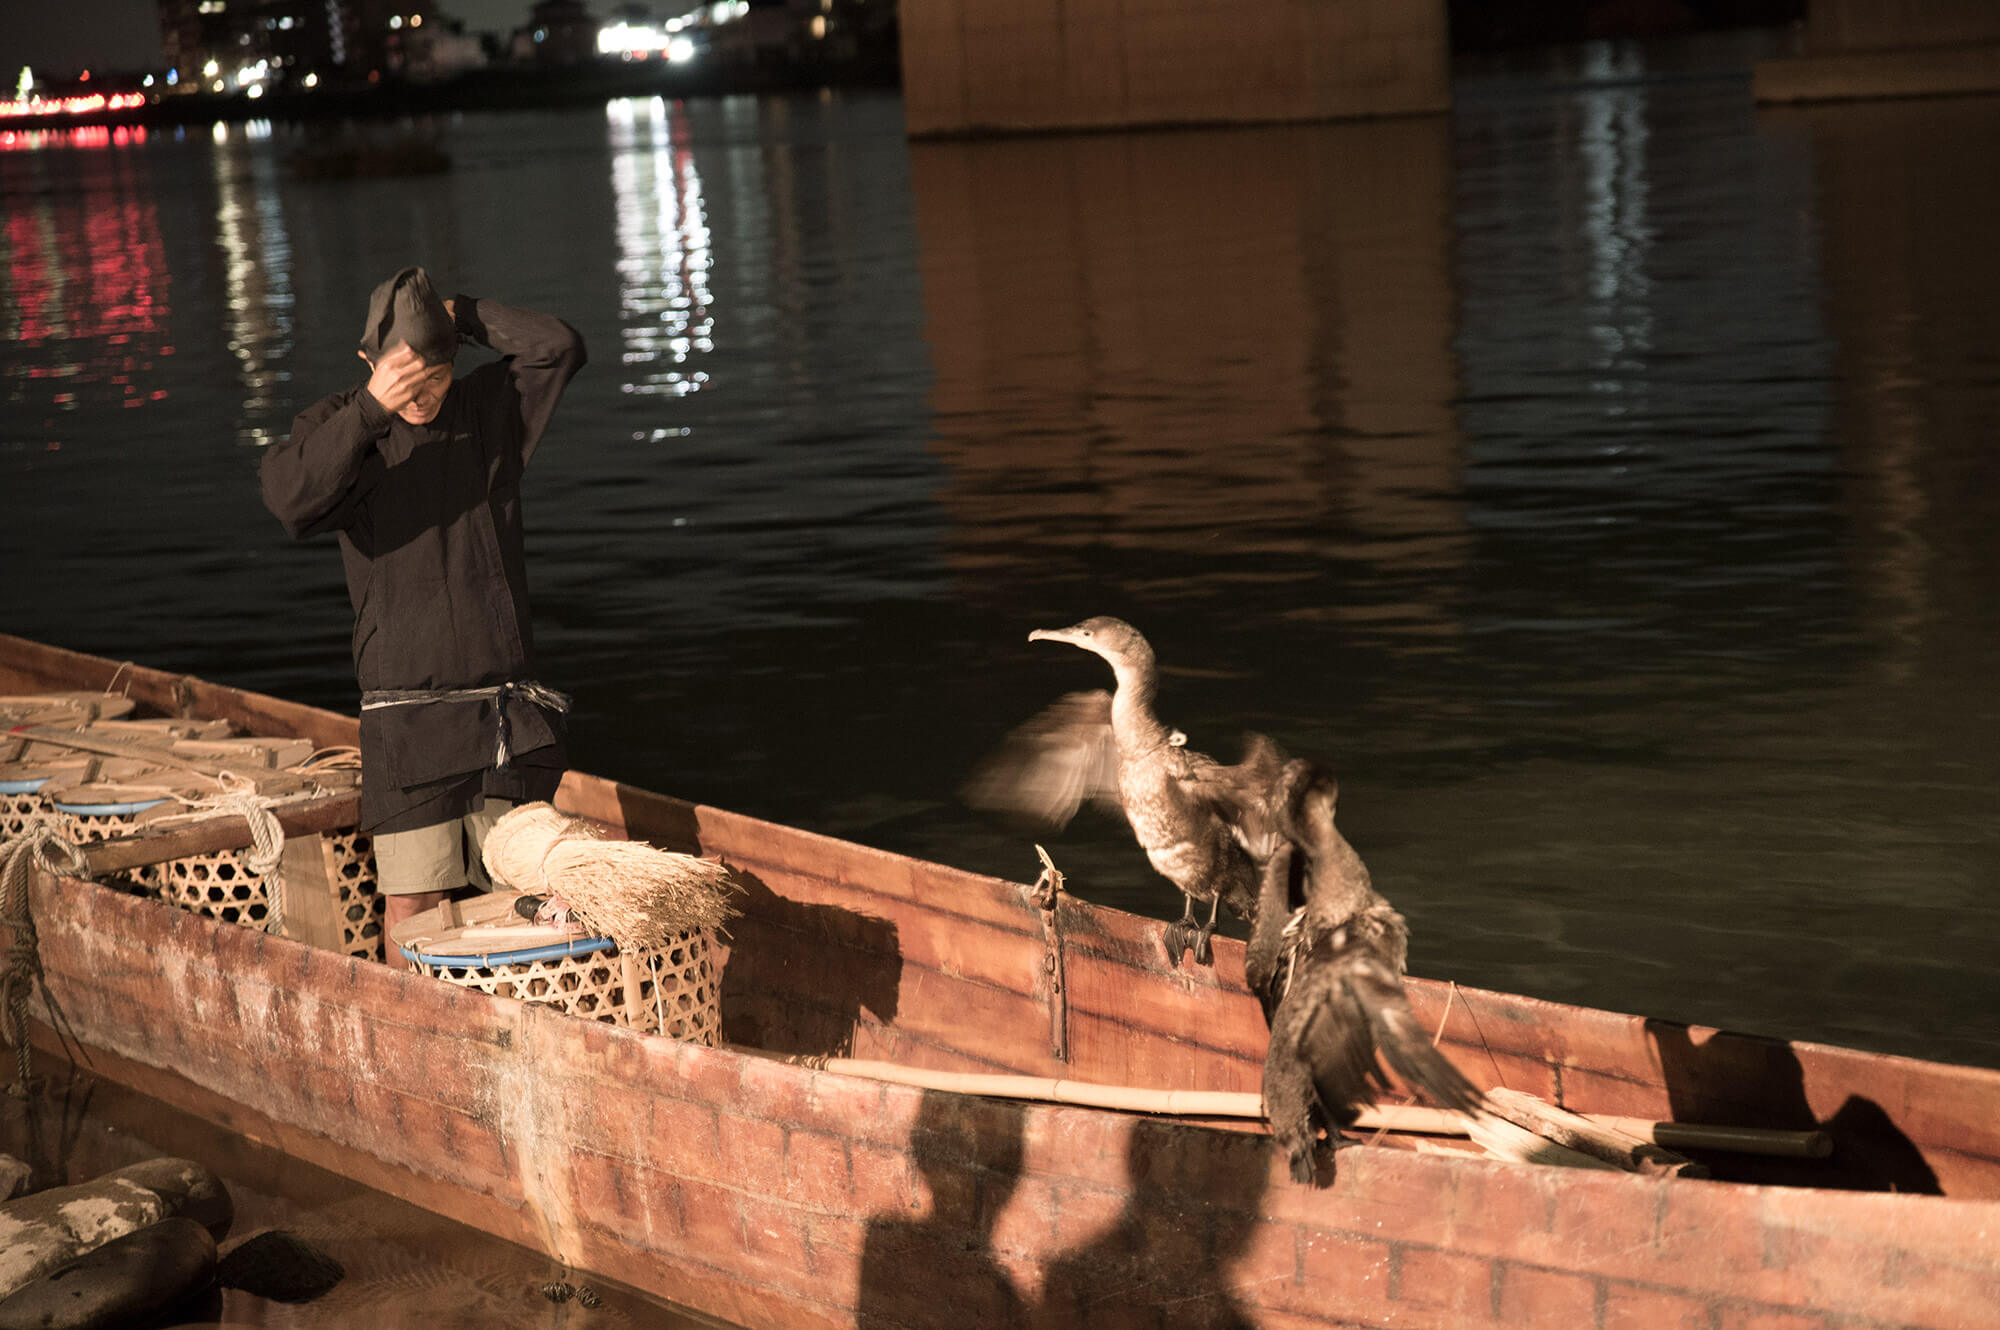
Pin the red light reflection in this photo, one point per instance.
(83, 272)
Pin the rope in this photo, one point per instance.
(267, 837)
(122, 667)
(38, 847)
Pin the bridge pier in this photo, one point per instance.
(1011, 66)
(1888, 48)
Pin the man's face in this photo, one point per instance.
(423, 406)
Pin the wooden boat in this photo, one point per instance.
(767, 1192)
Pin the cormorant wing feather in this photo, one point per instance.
(1355, 1009)
(1244, 795)
(1046, 768)
(1403, 1043)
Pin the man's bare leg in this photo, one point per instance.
(395, 909)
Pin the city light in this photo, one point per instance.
(630, 39)
(96, 101)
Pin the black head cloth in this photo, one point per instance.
(406, 308)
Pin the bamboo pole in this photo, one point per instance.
(226, 832)
(1413, 1118)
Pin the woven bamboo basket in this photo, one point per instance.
(668, 989)
(360, 901)
(219, 885)
(92, 772)
(22, 804)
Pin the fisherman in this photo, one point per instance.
(420, 474)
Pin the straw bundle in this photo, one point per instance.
(634, 894)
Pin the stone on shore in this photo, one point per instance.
(118, 1284)
(14, 1174)
(46, 1230)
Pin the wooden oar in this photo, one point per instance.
(1235, 1104)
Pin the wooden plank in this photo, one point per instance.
(308, 817)
(1597, 1139)
(311, 892)
(28, 666)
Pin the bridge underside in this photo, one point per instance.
(1888, 48)
(987, 66)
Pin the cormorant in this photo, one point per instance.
(1111, 748)
(1326, 959)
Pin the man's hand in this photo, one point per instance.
(396, 378)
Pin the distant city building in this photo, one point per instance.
(800, 34)
(252, 45)
(559, 32)
(234, 45)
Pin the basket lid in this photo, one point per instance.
(28, 776)
(101, 794)
(487, 929)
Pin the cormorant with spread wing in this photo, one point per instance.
(1111, 748)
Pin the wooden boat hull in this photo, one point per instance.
(768, 1193)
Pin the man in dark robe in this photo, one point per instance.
(420, 475)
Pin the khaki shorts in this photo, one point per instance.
(440, 857)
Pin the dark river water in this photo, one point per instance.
(1601, 478)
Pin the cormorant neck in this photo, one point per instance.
(1132, 718)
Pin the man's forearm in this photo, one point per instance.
(307, 478)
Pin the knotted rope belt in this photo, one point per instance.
(527, 690)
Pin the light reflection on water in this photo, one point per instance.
(257, 262)
(1599, 477)
(663, 248)
(86, 297)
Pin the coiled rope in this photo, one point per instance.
(37, 847)
(239, 798)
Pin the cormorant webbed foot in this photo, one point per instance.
(1185, 935)
(1204, 954)
(1189, 937)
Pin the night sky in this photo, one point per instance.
(59, 39)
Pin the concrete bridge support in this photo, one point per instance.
(980, 66)
(1888, 48)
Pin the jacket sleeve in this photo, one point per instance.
(542, 354)
(309, 479)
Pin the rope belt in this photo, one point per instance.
(526, 690)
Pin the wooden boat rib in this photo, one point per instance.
(770, 1193)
